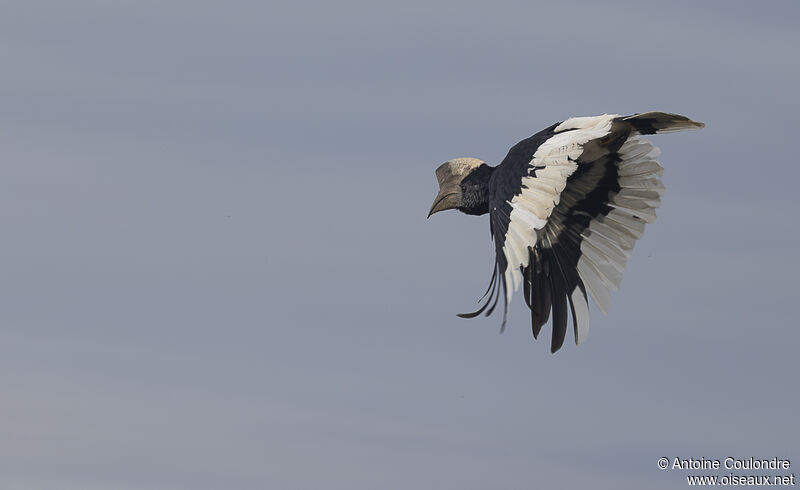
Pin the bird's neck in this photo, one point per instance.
(475, 191)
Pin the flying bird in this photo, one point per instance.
(566, 207)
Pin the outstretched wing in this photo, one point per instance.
(566, 207)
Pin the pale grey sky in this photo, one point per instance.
(218, 273)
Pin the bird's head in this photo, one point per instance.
(455, 187)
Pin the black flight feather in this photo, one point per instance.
(559, 312)
(544, 295)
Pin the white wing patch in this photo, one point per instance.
(549, 169)
(588, 122)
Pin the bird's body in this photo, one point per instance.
(565, 209)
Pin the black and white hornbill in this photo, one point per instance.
(565, 209)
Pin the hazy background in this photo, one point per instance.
(217, 272)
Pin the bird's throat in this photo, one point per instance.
(475, 191)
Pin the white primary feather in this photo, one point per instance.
(633, 206)
(581, 313)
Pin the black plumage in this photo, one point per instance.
(475, 191)
(565, 208)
